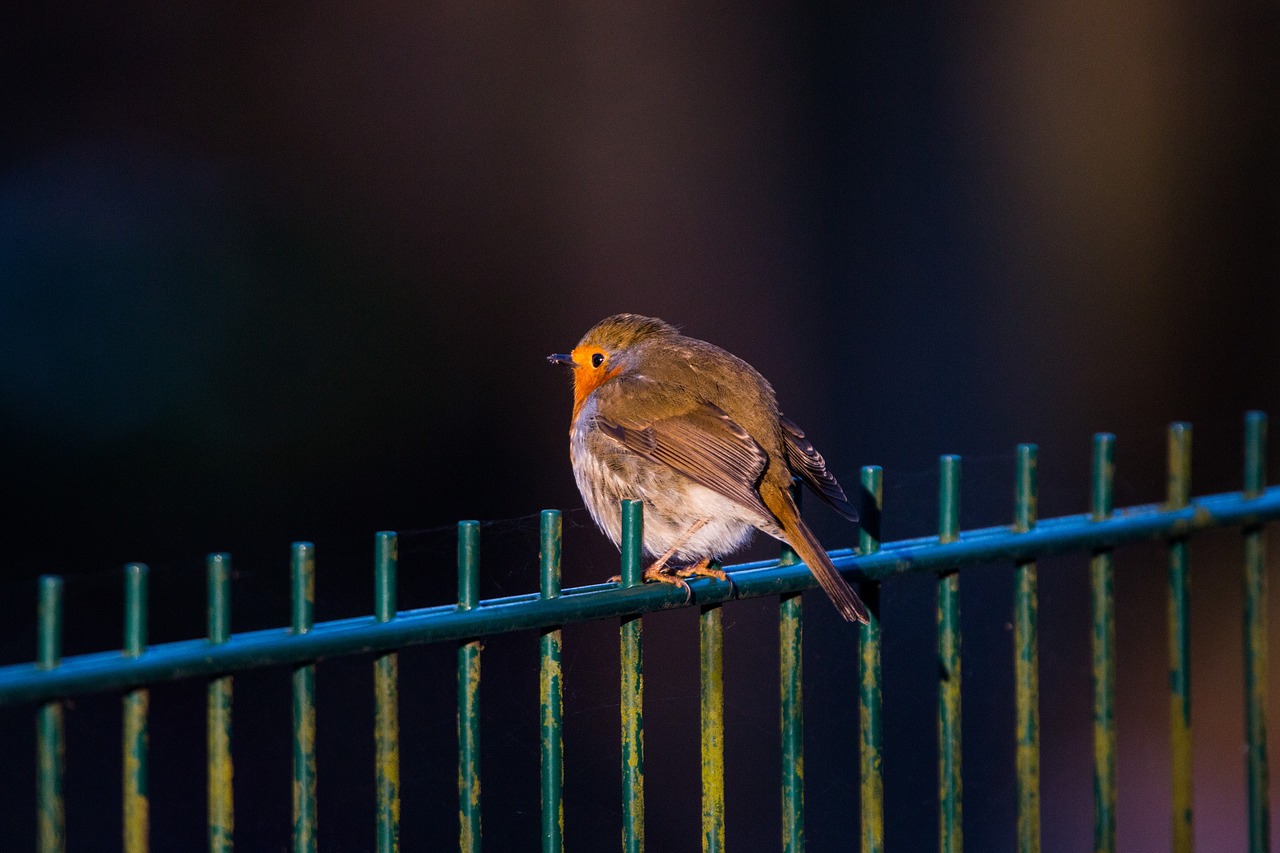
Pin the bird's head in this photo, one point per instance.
(603, 351)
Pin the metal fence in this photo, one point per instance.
(51, 679)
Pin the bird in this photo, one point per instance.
(695, 434)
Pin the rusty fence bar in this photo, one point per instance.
(711, 663)
(137, 819)
(305, 818)
(50, 759)
(1180, 643)
(1102, 585)
(870, 694)
(386, 701)
(52, 679)
(632, 687)
(1255, 638)
(551, 689)
(1026, 661)
(469, 829)
(950, 800)
(218, 726)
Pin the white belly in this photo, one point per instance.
(728, 525)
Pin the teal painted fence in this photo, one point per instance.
(132, 670)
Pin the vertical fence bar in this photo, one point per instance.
(1026, 661)
(711, 666)
(137, 823)
(791, 645)
(1255, 638)
(1102, 584)
(950, 811)
(791, 680)
(50, 744)
(870, 692)
(551, 689)
(469, 830)
(218, 711)
(632, 663)
(1180, 643)
(386, 699)
(711, 658)
(303, 574)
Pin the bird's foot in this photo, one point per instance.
(708, 568)
(659, 572)
(704, 568)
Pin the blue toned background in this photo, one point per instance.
(291, 272)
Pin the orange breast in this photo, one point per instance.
(586, 380)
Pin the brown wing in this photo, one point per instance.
(804, 460)
(705, 445)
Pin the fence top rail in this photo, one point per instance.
(102, 672)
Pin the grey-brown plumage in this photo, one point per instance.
(694, 432)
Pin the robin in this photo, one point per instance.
(694, 432)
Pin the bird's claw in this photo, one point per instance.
(708, 568)
(660, 572)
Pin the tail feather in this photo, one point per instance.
(807, 547)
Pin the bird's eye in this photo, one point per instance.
(597, 359)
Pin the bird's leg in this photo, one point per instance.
(660, 564)
(658, 571)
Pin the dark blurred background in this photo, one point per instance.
(290, 271)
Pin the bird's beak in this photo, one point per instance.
(560, 358)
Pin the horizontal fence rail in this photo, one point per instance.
(137, 666)
(100, 672)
